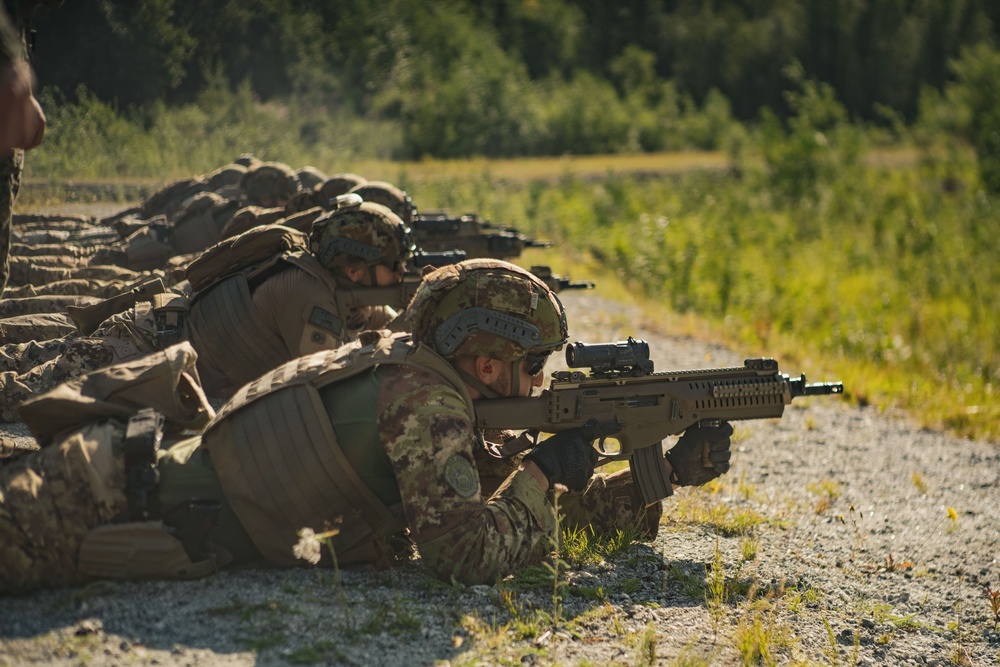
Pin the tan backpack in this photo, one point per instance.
(166, 381)
(254, 246)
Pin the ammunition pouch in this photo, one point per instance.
(152, 543)
(170, 312)
(142, 550)
(193, 522)
(143, 436)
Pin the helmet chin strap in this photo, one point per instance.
(486, 391)
(477, 384)
(515, 378)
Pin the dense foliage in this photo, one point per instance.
(516, 77)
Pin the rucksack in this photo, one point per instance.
(243, 251)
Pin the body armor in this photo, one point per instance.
(279, 461)
(234, 346)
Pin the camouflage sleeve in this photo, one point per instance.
(429, 439)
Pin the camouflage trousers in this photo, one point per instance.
(35, 367)
(47, 303)
(67, 250)
(36, 326)
(50, 499)
(10, 183)
(33, 271)
(103, 289)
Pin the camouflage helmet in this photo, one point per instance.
(361, 233)
(340, 184)
(488, 308)
(310, 177)
(270, 184)
(389, 196)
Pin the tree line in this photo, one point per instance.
(509, 77)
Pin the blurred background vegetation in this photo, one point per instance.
(850, 225)
(402, 79)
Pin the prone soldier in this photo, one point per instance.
(242, 320)
(377, 437)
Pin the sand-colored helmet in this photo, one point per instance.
(310, 177)
(270, 184)
(304, 200)
(230, 174)
(360, 233)
(488, 308)
(389, 196)
(340, 184)
(247, 160)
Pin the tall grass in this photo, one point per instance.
(884, 278)
(98, 141)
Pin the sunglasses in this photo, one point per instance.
(534, 363)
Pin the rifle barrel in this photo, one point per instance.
(801, 388)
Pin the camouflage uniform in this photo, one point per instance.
(406, 430)
(28, 369)
(242, 325)
(52, 498)
(14, 26)
(36, 326)
(10, 183)
(29, 271)
(386, 447)
(53, 303)
(80, 287)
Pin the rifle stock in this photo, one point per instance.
(644, 407)
(88, 318)
(395, 296)
(398, 296)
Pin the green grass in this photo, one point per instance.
(885, 281)
(879, 273)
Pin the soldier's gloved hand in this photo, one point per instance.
(701, 454)
(566, 458)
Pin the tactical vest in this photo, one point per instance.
(234, 345)
(279, 461)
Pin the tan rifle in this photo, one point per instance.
(631, 409)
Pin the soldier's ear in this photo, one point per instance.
(354, 273)
(487, 369)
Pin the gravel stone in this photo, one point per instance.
(872, 571)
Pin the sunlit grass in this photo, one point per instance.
(877, 275)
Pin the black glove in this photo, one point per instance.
(566, 458)
(701, 454)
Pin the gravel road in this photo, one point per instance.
(841, 536)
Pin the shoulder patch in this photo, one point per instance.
(461, 476)
(324, 319)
